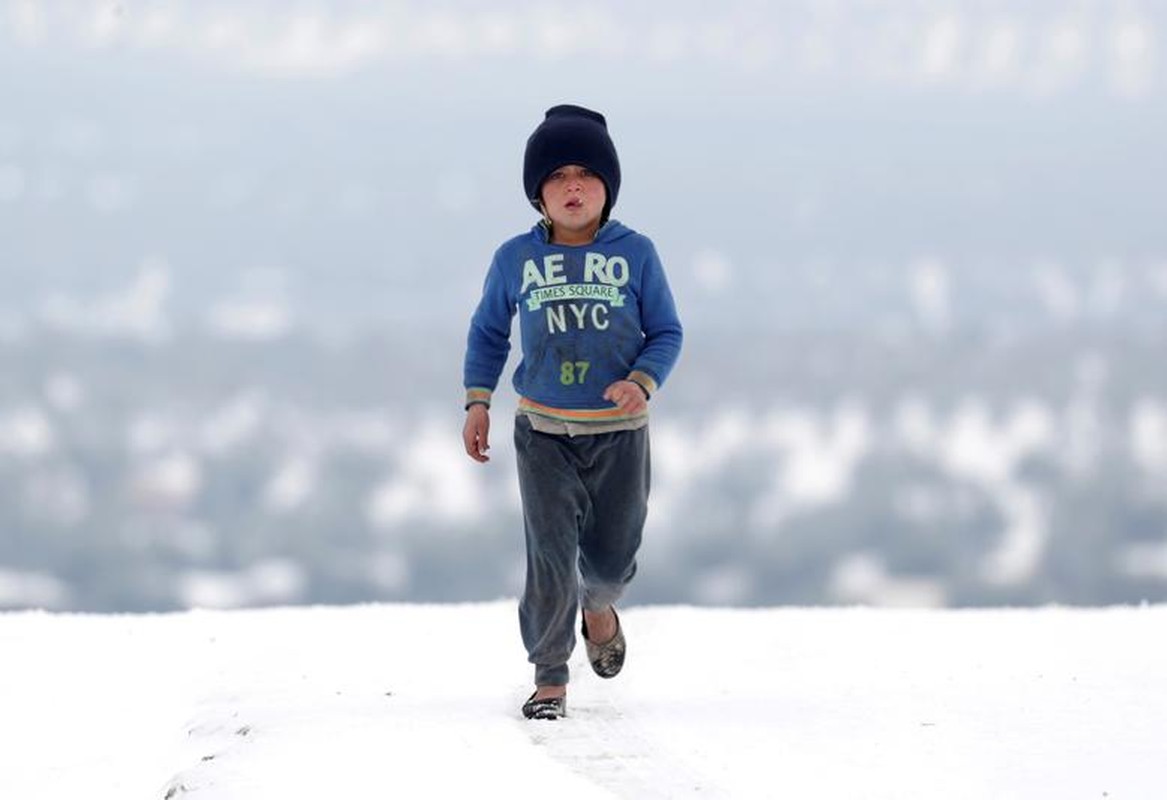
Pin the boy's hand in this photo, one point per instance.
(628, 395)
(476, 432)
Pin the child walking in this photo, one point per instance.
(600, 334)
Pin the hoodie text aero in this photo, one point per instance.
(589, 315)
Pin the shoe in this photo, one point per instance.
(549, 708)
(607, 659)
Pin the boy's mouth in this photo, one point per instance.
(574, 203)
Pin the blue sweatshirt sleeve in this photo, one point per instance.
(661, 325)
(488, 341)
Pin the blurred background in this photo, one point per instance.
(919, 249)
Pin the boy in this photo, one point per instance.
(599, 334)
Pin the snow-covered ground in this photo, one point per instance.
(422, 701)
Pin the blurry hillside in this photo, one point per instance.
(919, 253)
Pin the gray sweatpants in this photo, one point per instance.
(585, 499)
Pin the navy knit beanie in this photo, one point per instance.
(571, 135)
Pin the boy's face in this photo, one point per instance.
(574, 197)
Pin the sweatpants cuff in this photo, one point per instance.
(551, 675)
(597, 598)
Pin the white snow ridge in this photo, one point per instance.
(423, 702)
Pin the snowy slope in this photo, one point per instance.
(422, 701)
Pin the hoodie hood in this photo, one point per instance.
(611, 231)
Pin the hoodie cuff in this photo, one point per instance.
(644, 381)
(477, 396)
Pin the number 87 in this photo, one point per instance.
(573, 372)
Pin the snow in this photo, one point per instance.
(422, 701)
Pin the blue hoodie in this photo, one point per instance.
(589, 315)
